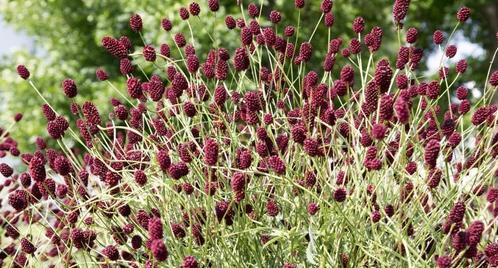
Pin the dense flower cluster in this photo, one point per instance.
(251, 150)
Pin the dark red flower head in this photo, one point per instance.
(159, 250)
(155, 228)
(463, 14)
(114, 47)
(149, 53)
(493, 80)
(275, 16)
(6, 170)
(27, 246)
(253, 10)
(189, 262)
(305, 51)
(210, 152)
(213, 5)
(438, 37)
(111, 252)
(136, 23)
(23, 71)
(451, 51)
(101, 74)
(340, 194)
(480, 115)
(69, 87)
(431, 152)
(194, 9)
(18, 199)
(411, 35)
(400, 9)
(358, 24)
(299, 3)
(166, 24)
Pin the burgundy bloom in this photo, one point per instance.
(402, 110)
(69, 87)
(379, 131)
(111, 252)
(166, 24)
(438, 37)
(18, 199)
(312, 208)
(48, 112)
(451, 51)
(433, 90)
(184, 15)
(434, 177)
(305, 51)
(376, 216)
(464, 107)
(289, 31)
(493, 80)
(275, 16)
(180, 40)
(444, 261)
(475, 231)
(253, 10)
(155, 228)
(326, 6)
(461, 66)
(126, 66)
(149, 53)
(299, 3)
(276, 164)
(411, 35)
(101, 74)
(457, 212)
(400, 9)
(213, 5)
(178, 170)
(114, 47)
(6, 170)
(358, 24)
(210, 149)
(383, 75)
(340, 194)
(240, 60)
(18, 117)
(480, 115)
(463, 14)
(189, 109)
(136, 23)
(238, 182)
(163, 159)
(272, 208)
(230, 22)
(23, 72)
(159, 250)
(431, 152)
(189, 262)
(134, 88)
(347, 75)
(62, 165)
(194, 9)
(165, 51)
(91, 113)
(329, 19)
(27, 246)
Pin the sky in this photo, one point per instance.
(11, 40)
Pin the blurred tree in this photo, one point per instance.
(68, 34)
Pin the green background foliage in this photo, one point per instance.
(67, 36)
